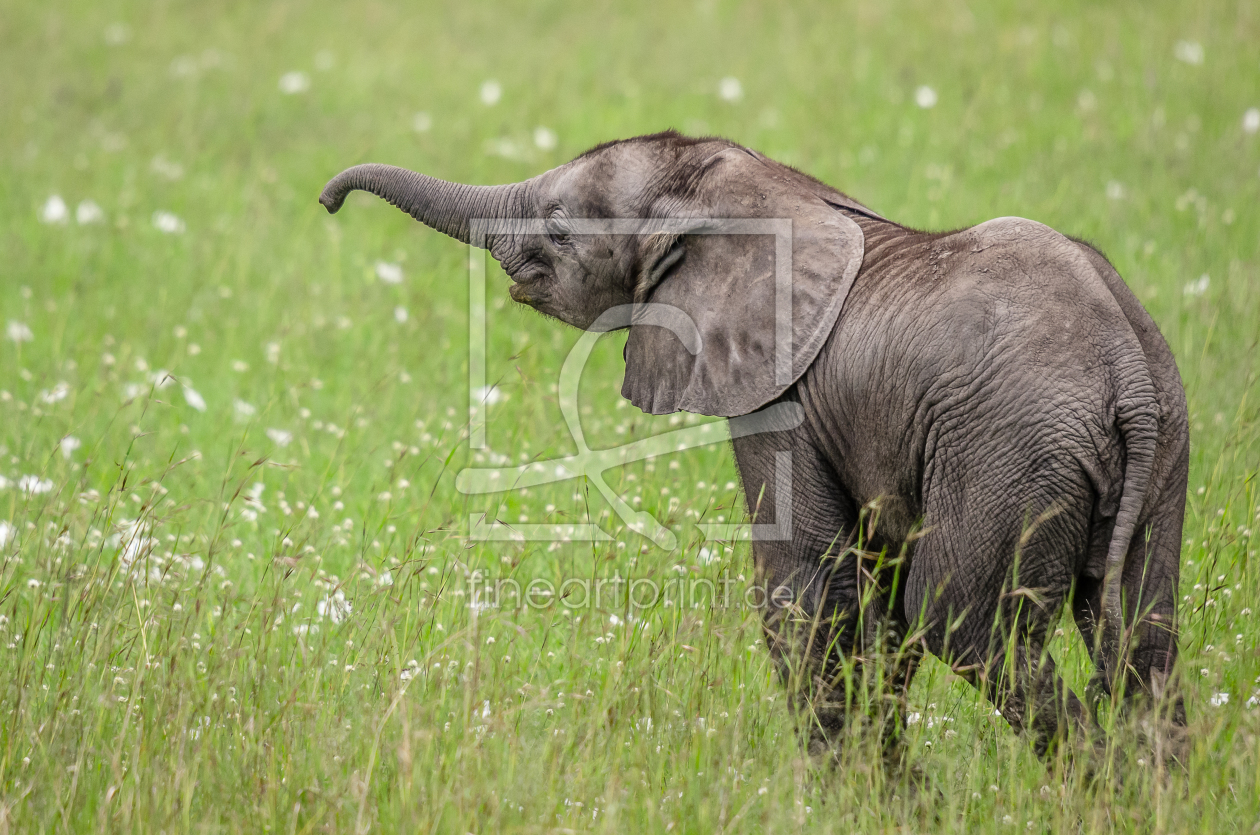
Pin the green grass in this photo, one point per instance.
(168, 656)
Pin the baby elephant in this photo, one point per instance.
(989, 423)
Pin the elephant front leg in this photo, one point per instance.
(826, 613)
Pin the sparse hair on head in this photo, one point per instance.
(670, 136)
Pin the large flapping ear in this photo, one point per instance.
(761, 320)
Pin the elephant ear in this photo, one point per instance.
(760, 328)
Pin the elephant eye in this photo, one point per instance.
(557, 234)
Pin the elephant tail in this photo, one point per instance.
(1137, 417)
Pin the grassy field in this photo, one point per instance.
(237, 583)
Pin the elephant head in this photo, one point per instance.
(678, 241)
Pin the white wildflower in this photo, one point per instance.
(925, 97)
(1251, 120)
(184, 66)
(88, 212)
(166, 169)
(488, 395)
(19, 332)
(1219, 699)
(168, 223)
(1189, 52)
(1115, 190)
(544, 138)
(389, 273)
(6, 533)
(491, 92)
(244, 411)
(280, 437)
(400, 315)
(33, 485)
(729, 89)
(294, 82)
(135, 542)
(54, 210)
(505, 147)
(68, 445)
(117, 34)
(56, 394)
(336, 608)
(1199, 287)
(192, 398)
(422, 122)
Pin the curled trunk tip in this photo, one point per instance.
(331, 199)
(334, 194)
(444, 206)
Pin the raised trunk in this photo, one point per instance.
(446, 207)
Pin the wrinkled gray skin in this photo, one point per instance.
(994, 411)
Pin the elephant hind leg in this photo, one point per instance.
(1018, 675)
(1086, 604)
(990, 577)
(1150, 582)
(1024, 683)
(1141, 670)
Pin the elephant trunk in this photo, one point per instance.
(446, 207)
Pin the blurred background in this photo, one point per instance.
(1133, 126)
(163, 160)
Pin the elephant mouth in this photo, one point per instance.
(525, 288)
